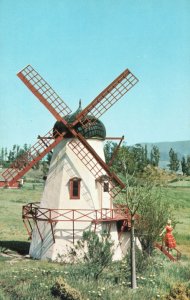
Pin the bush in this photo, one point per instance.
(96, 253)
(179, 292)
(62, 290)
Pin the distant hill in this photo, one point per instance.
(181, 147)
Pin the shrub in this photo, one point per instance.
(96, 253)
(179, 292)
(62, 290)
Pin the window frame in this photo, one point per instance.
(106, 187)
(71, 188)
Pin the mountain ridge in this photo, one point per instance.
(182, 148)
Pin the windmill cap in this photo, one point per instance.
(97, 130)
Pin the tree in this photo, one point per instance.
(25, 147)
(186, 165)
(126, 160)
(140, 157)
(146, 155)
(174, 161)
(11, 156)
(183, 165)
(136, 157)
(155, 156)
(144, 200)
(6, 153)
(153, 214)
(2, 156)
(108, 151)
(134, 196)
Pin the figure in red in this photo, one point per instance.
(169, 239)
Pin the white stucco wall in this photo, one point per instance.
(65, 165)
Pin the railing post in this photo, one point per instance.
(52, 232)
(96, 212)
(73, 227)
(29, 233)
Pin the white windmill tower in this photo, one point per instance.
(80, 186)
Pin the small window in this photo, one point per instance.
(106, 186)
(74, 186)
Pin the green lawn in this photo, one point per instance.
(11, 202)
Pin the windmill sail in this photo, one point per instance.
(44, 92)
(29, 158)
(110, 95)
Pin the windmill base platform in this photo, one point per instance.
(57, 231)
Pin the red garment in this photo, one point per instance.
(170, 242)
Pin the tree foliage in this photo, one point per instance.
(136, 157)
(185, 165)
(144, 197)
(147, 202)
(155, 156)
(7, 157)
(153, 214)
(174, 161)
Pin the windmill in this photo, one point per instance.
(80, 186)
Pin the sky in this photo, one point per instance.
(79, 47)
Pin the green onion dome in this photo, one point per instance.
(97, 130)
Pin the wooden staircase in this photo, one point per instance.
(169, 255)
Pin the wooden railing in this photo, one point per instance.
(33, 212)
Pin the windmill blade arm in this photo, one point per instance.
(44, 92)
(111, 94)
(92, 160)
(29, 158)
(115, 152)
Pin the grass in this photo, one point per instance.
(11, 202)
(27, 279)
(22, 278)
